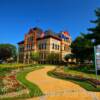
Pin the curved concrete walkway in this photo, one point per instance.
(56, 89)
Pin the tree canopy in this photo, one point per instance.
(35, 56)
(94, 33)
(7, 51)
(53, 57)
(69, 56)
(82, 48)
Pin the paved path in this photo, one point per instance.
(56, 89)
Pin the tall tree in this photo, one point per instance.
(94, 33)
(82, 48)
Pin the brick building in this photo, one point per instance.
(44, 43)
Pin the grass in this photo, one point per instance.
(4, 71)
(34, 90)
(14, 65)
(83, 84)
(21, 97)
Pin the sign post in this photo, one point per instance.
(97, 59)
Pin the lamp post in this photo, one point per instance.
(96, 70)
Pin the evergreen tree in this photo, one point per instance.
(94, 33)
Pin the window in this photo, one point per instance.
(27, 46)
(31, 38)
(32, 46)
(53, 46)
(44, 47)
(65, 47)
(58, 47)
(39, 46)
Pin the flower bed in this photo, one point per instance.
(64, 75)
(94, 82)
(8, 82)
(13, 83)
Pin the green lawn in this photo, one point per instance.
(13, 65)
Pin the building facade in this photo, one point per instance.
(44, 43)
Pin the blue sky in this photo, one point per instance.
(18, 16)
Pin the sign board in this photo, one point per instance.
(97, 57)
